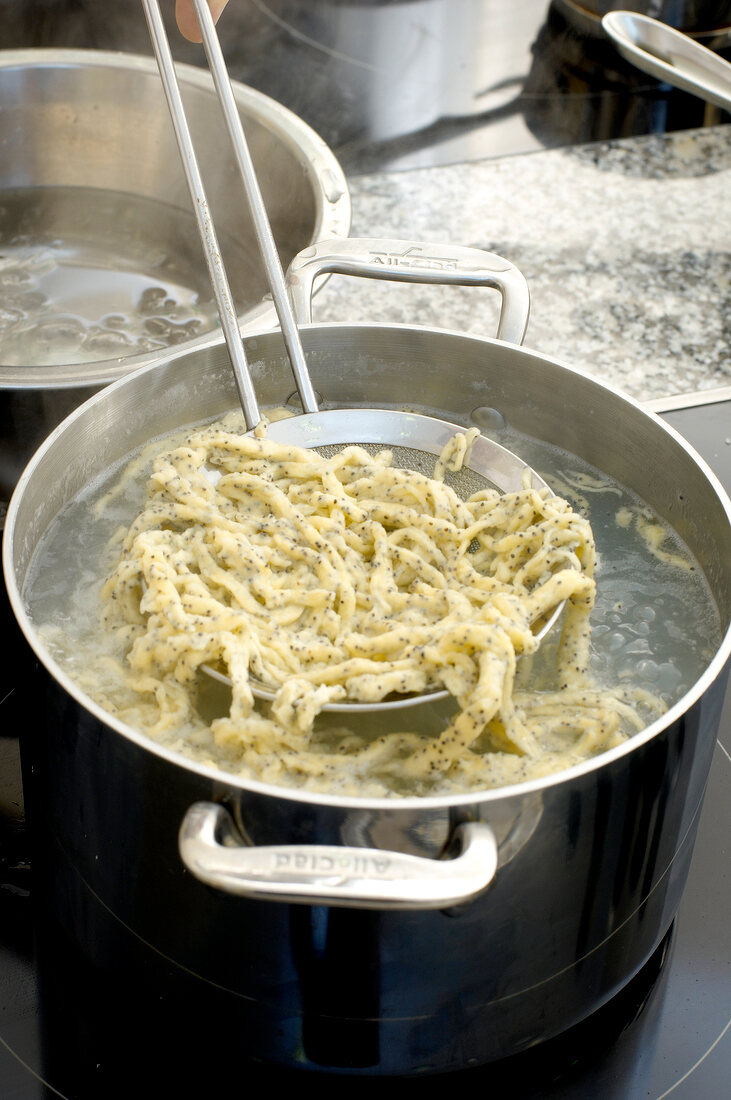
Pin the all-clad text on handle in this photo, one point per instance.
(413, 262)
(364, 878)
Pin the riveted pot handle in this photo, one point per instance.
(363, 878)
(413, 262)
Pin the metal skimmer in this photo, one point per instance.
(411, 436)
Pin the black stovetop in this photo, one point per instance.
(71, 1029)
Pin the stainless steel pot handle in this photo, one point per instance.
(364, 878)
(413, 262)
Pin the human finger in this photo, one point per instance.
(186, 20)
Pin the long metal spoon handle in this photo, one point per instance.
(262, 227)
(216, 268)
(670, 55)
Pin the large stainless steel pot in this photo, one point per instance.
(585, 868)
(74, 119)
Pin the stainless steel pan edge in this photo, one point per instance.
(135, 165)
(96, 119)
(591, 863)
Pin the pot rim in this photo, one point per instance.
(333, 208)
(350, 802)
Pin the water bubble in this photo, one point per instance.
(14, 277)
(112, 343)
(145, 343)
(178, 334)
(615, 642)
(487, 418)
(40, 263)
(669, 681)
(158, 326)
(152, 299)
(9, 316)
(640, 645)
(31, 300)
(61, 331)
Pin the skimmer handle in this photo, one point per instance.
(264, 235)
(206, 228)
(262, 226)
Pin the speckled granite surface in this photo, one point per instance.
(626, 247)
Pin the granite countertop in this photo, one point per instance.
(626, 246)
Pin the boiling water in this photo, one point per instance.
(88, 275)
(655, 625)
